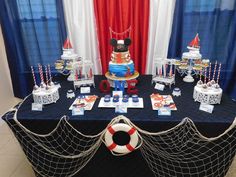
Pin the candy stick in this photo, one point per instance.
(41, 73)
(214, 73)
(218, 77)
(160, 71)
(209, 77)
(200, 75)
(205, 75)
(76, 74)
(91, 73)
(32, 70)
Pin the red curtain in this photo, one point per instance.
(120, 15)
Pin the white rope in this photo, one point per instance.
(181, 150)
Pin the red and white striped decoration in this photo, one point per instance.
(160, 71)
(41, 73)
(200, 78)
(218, 77)
(214, 73)
(209, 76)
(32, 70)
(49, 73)
(205, 75)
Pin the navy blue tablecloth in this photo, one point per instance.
(103, 163)
(223, 113)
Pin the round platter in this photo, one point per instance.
(208, 96)
(46, 97)
(112, 78)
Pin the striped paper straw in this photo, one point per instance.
(214, 73)
(200, 75)
(50, 74)
(32, 70)
(209, 76)
(218, 77)
(205, 75)
(41, 73)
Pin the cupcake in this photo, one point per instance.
(107, 99)
(125, 99)
(135, 100)
(115, 99)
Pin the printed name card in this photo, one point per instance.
(121, 109)
(77, 111)
(164, 111)
(84, 89)
(120, 93)
(160, 87)
(206, 107)
(36, 107)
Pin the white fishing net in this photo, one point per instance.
(180, 151)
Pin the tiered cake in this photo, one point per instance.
(121, 66)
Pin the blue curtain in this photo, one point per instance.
(215, 21)
(33, 32)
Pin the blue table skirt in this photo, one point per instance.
(132, 165)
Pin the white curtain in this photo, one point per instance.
(160, 26)
(81, 28)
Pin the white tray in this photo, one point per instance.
(129, 104)
(168, 99)
(88, 106)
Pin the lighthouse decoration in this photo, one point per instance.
(208, 89)
(47, 91)
(192, 63)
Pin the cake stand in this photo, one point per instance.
(112, 78)
(208, 95)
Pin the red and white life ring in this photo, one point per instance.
(124, 149)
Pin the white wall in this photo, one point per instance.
(7, 99)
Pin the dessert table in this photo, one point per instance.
(94, 121)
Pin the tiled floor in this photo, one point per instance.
(13, 162)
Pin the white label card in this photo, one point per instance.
(121, 109)
(206, 107)
(160, 87)
(120, 93)
(164, 111)
(36, 107)
(84, 89)
(77, 111)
